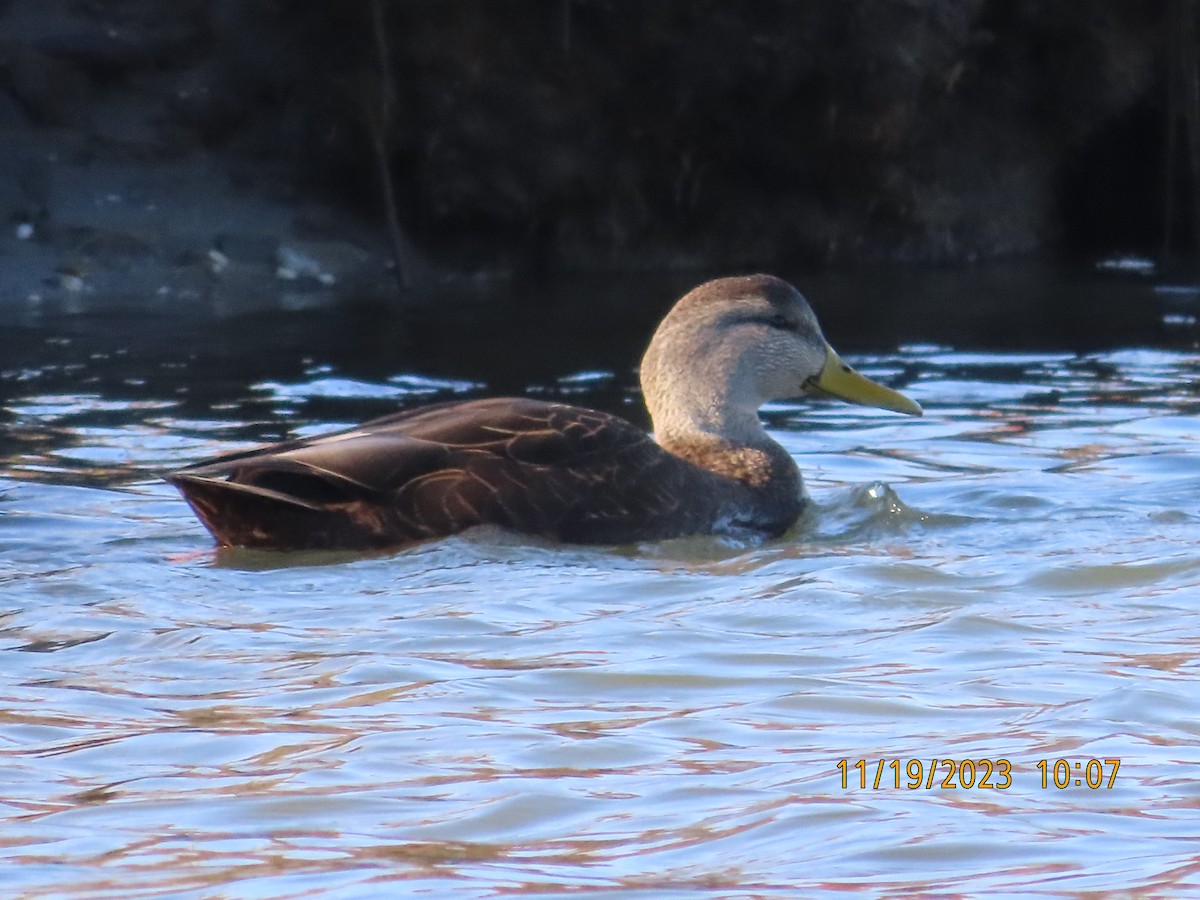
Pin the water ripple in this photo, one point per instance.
(1013, 577)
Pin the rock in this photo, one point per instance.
(326, 262)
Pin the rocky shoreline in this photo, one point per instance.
(239, 154)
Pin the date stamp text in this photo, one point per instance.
(973, 774)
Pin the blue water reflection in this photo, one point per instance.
(1014, 576)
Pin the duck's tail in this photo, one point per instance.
(246, 515)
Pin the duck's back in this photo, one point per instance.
(539, 468)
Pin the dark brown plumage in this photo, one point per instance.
(535, 467)
(551, 469)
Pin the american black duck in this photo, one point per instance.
(555, 470)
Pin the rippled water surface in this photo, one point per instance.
(1015, 577)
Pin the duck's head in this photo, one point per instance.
(733, 344)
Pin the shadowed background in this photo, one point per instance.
(206, 150)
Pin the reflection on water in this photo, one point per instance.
(1013, 576)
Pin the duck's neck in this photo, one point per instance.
(703, 398)
(711, 399)
(716, 427)
(712, 420)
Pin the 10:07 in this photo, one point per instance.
(1062, 773)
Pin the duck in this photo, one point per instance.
(554, 470)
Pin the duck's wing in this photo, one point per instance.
(541, 468)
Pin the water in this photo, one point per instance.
(1013, 577)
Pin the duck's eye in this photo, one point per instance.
(782, 322)
(779, 320)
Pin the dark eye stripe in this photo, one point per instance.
(779, 321)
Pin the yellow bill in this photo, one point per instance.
(839, 380)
